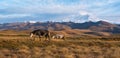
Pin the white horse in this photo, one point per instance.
(58, 36)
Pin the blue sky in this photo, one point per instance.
(59, 10)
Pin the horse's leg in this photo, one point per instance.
(40, 38)
(33, 38)
(48, 37)
(45, 37)
(64, 38)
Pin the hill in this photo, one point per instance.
(84, 41)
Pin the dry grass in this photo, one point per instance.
(77, 47)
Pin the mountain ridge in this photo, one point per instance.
(100, 26)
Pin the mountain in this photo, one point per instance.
(97, 26)
(100, 26)
(119, 25)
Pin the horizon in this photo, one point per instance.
(57, 22)
(59, 10)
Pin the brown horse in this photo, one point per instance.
(40, 33)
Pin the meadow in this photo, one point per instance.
(18, 44)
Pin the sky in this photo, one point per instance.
(59, 10)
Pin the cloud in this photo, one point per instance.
(83, 16)
(14, 16)
(25, 8)
(84, 13)
(55, 6)
(44, 6)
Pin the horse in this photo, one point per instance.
(40, 33)
(58, 36)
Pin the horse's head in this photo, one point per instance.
(31, 34)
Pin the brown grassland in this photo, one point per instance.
(18, 44)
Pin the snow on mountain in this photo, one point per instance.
(30, 21)
(81, 17)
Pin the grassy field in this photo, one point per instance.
(17, 44)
